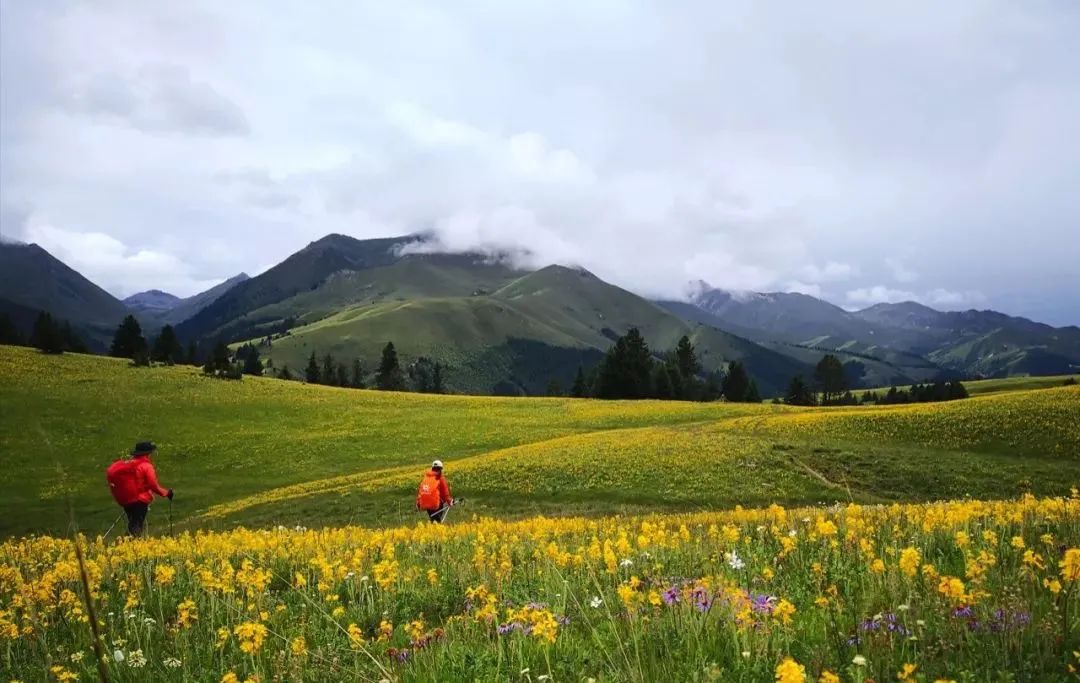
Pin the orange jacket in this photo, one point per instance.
(433, 482)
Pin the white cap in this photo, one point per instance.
(437, 465)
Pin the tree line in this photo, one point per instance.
(830, 387)
(629, 370)
(422, 375)
(48, 335)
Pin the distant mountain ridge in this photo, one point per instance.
(500, 329)
(976, 343)
(160, 308)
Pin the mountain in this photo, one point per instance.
(152, 302)
(304, 271)
(905, 341)
(496, 327)
(32, 278)
(185, 308)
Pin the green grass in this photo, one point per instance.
(266, 452)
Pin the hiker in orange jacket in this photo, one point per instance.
(434, 494)
(133, 484)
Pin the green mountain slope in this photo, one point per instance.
(305, 270)
(555, 318)
(32, 278)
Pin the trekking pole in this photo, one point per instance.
(170, 517)
(113, 525)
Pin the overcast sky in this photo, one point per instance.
(860, 151)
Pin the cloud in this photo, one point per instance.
(831, 272)
(653, 144)
(879, 294)
(159, 98)
(944, 298)
(900, 273)
(803, 288)
(113, 265)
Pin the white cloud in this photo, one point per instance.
(879, 294)
(831, 272)
(952, 300)
(900, 272)
(111, 264)
(803, 288)
(159, 98)
(651, 143)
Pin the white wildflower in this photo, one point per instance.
(626, 563)
(118, 656)
(596, 602)
(172, 663)
(734, 561)
(858, 660)
(136, 659)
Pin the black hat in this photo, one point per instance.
(143, 447)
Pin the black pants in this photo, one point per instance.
(439, 515)
(136, 515)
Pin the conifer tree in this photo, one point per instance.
(389, 376)
(46, 335)
(577, 389)
(311, 373)
(128, 339)
(167, 347)
(357, 374)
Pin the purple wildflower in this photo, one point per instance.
(503, 629)
(670, 596)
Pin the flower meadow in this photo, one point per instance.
(963, 590)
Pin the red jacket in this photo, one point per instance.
(134, 481)
(433, 481)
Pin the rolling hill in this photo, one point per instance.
(264, 451)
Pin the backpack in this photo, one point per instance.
(123, 480)
(428, 496)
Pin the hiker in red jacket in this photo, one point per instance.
(434, 494)
(133, 484)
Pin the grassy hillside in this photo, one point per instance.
(264, 451)
(451, 310)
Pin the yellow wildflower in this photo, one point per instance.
(909, 561)
(790, 671)
(1070, 565)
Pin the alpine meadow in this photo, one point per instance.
(539, 342)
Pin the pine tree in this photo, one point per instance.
(798, 393)
(128, 339)
(357, 374)
(192, 354)
(46, 335)
(752, 395)
(342, 377)
(437, 380)
(219, 363)
(329, 370)
(72, 342)
(577, 389)
(252, 365)
(167, 347)
(829, 379)
(736, 382)
(311, 373)
(389, 376)
(626, 371)
(284, 372)
(661, 381)
(714, 387)
(686, 359)
(9, 334)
